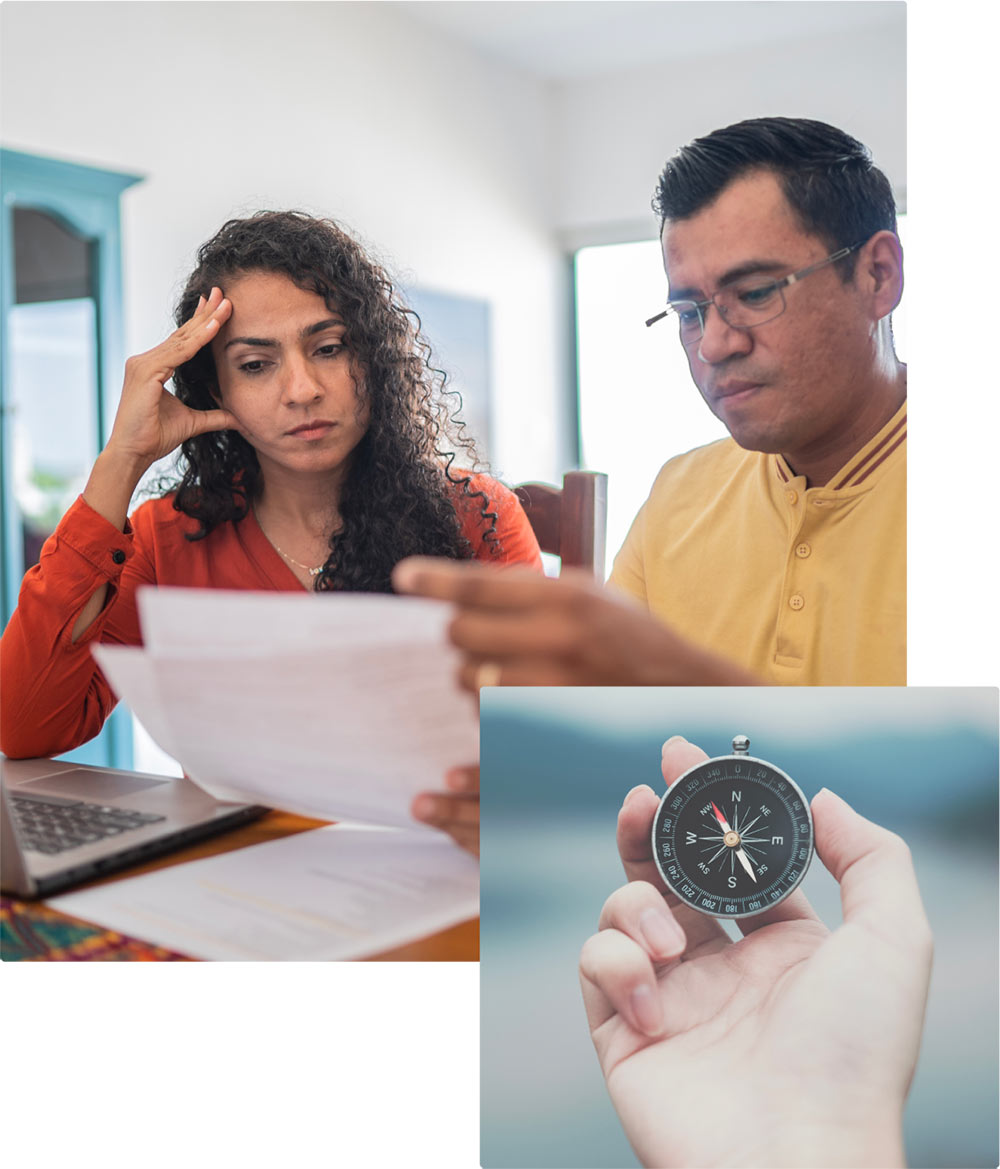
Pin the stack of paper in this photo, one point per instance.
(336, 706)
(335, 893)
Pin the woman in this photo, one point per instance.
(311, 428)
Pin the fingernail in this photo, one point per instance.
(673, 739)
(646, 1010)
(423, 807)
(642, 787)
(662, 933)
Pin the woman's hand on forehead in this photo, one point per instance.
(151, 422)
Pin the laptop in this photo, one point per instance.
(66, 822)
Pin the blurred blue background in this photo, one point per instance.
(556, 764)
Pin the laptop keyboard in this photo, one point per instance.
(51, 825)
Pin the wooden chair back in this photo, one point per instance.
(570, 522)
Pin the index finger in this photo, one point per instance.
(635, 847)
(472, 585)
(635, 820)
(196, 332)
(635, 836)
(204, 323)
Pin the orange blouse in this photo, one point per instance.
(53, 697)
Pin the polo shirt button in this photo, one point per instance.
(792, 496)
(802, 551)
(796, 600)
(118, 556)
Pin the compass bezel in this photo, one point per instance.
(740, 757)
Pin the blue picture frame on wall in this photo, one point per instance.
(458, 329)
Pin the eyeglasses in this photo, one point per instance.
(745, 303)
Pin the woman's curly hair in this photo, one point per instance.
(402, 496)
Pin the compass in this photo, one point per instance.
(733, 836)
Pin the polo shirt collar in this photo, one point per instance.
(868, 465)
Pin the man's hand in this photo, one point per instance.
(565, 632)
(794, 1046)
(456, 811)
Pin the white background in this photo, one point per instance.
(376, 1065)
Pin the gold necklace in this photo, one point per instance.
(290, 559)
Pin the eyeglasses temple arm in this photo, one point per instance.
(797, 276)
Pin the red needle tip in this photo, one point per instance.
(718, 815)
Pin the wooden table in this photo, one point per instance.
(460, 943)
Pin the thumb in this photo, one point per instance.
(874, 868)
(208, 420)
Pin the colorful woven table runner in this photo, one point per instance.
(31, 932)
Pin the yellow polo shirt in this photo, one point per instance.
(803, 586)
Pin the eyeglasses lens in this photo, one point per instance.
(741, 306)
(750, 303)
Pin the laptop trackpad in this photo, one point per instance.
(91, 785)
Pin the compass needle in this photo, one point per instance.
(757, 796)
(742, 856)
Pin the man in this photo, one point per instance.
(783, 549)
(777, 555)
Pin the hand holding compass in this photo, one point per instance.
(708, 1045)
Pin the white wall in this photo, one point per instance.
(435, 156)
(465, 175)
(612, 134)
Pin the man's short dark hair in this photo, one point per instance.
(827, 176)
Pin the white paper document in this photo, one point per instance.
(335, 893)
(336, 706)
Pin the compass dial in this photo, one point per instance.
(733, 836)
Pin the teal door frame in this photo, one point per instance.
(87, 200)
